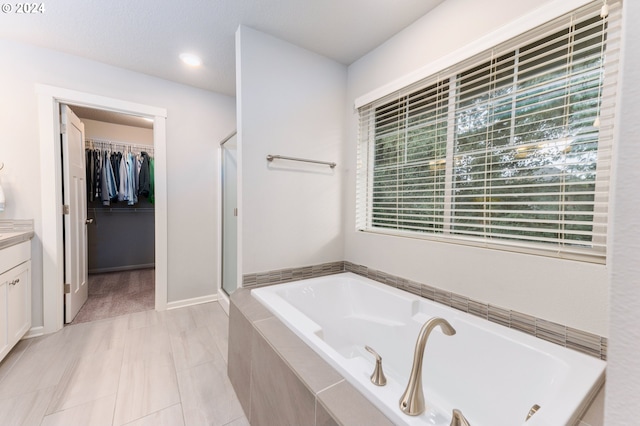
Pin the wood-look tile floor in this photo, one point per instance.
(146, 368)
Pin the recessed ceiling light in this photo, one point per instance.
(191, 59)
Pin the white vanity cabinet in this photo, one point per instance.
(15, 295)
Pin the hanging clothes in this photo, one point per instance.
(117, 176)
(152, 181)
(145, 178)
(111, 180)
(132, 190)
(115, 165)
(90, 174)
(104, 185)
(122, 189)
(93, 174)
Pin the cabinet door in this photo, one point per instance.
(19, 301)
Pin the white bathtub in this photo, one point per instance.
(493, 374)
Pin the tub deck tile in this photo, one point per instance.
(305, 362)
(344, 403)
(249, 306)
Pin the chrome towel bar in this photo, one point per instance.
(282, 157)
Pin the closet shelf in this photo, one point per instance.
(118, 146)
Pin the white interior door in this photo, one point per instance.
(75, 227)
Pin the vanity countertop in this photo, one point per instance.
(11, 238)
(14, 232)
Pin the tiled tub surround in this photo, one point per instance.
(588, 343)
(279, 380)
(507, 370)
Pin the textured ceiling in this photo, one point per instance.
(148, 35)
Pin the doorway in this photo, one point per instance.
(49, 100)
(120, 237)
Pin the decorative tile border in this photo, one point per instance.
(587, 343)
(581, 341)
(280, 276)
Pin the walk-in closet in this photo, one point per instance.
(119, 162)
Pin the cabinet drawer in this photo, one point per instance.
(14, 255)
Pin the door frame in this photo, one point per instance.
(49, 100)
(223, 298)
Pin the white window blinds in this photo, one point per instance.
(510, 149)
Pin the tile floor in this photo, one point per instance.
(146, 368)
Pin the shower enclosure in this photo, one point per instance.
(229, 213)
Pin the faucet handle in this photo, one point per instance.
(457, 419)
(377, 378)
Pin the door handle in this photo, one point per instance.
(88, 221)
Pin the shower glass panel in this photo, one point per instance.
(229, 215)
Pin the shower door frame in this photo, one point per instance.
(223, 296)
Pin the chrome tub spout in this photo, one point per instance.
(412, 400)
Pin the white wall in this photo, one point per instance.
(196, 121)
(117, 132)
(290, 102)
(623, 371)
(567, 292)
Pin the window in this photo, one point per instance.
(510, 149)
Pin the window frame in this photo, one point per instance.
(366, 153)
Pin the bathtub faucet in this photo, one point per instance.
(412, 400)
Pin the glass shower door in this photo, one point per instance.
(229, 215)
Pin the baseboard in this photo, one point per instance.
(122, 268)
(191, 302)
(223, 300)
(34, 332)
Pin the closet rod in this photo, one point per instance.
(121, 210)
(282, 157)
(102, 142)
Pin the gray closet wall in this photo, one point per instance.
(121, 237)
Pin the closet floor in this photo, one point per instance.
(113, 294)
